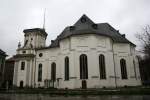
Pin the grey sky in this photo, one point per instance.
(127, 16)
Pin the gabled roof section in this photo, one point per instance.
(2, 53)
(86, 26)
(83, 20)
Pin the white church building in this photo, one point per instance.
(85, 55)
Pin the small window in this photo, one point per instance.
(83, 20)
(22, 65)
(41, 54)
(72, 28)
(23, 51)
(95, 26)
(31, 38)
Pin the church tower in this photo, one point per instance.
(34, 38)
(25, 59)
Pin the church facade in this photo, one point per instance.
(85, 55)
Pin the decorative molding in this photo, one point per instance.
(114, 77)
(81, 51)
(101, 46)
(94, 76)
(24, 56)
(93, 48)
(72, 77)
(52, 56)
(72, 49)
(82, 46)
(59, 78)
(132, 77)
(101, 51)
(122, 52)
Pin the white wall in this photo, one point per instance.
(92, 46)
(123, 50)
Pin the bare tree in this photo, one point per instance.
(144, 38)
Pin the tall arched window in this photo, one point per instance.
(53, 71)
(83, 67)
(40, 73)
(102, 66)
(123, 69)
(66, 68)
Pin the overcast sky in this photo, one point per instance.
(127, 16)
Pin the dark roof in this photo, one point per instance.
(2, 53)
(10, 59)
(41, 30)
(86, 26)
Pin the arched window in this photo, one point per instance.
(123, 69)
(102, 66)
(53, 71)
(83, 67)
(66, 68)
(40, 73)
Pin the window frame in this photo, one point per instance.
(123, 67)
(102, 66)
(40, 72)
(66, 64)
(83, 59)
(53, 71)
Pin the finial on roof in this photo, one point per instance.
(84, 15)
(44, 19)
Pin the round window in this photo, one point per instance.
(41, 54)
(83, 20)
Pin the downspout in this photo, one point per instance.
(114, 66)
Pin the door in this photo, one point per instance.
(21, 84)
(84, 84)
